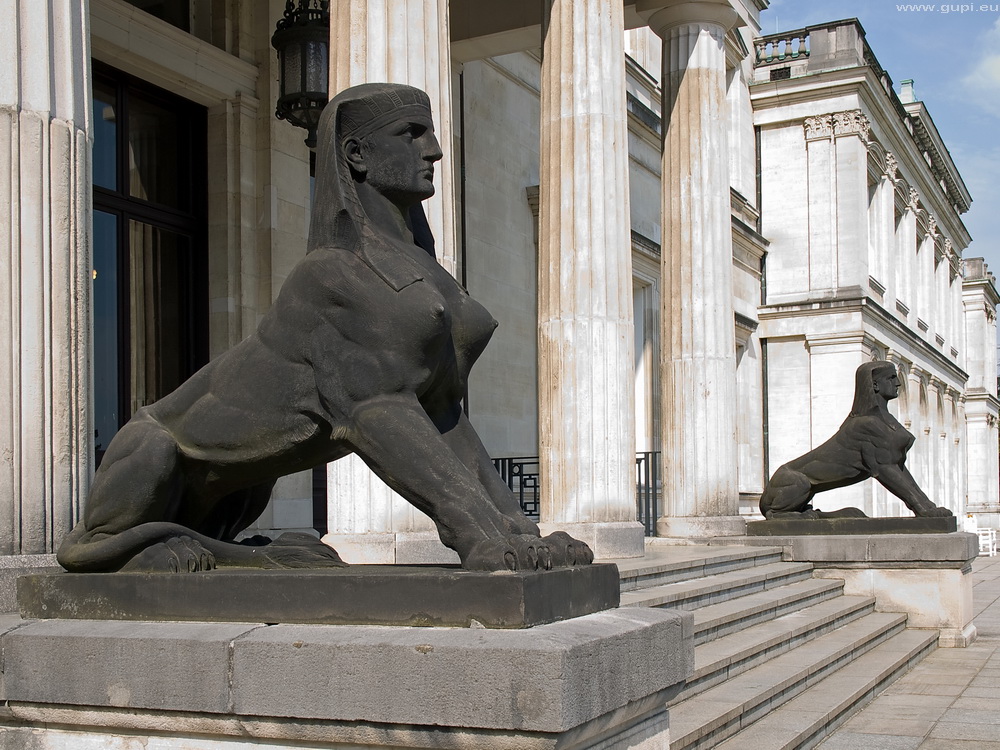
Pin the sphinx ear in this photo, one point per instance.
(355, 157)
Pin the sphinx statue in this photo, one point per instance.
(366, 350)
(870, 443)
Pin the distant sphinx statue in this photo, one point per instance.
(870, 443)
(366, 350)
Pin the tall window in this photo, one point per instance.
(150, 263)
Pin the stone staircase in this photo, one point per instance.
(781, 658)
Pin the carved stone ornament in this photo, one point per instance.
(870, 443)
(914, 202)
(818, 127)
(891, 166)
(851, 122)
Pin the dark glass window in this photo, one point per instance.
(150, 266)
(175, 12)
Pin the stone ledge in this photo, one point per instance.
(24, 724)
(608, 670)
(357, 595)
(955, 550)
(859, 526)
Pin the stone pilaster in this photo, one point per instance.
(585, 379)
(46, 448)
(698, 349)
(393, 41)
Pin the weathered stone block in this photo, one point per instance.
(600, 681)
(548, 679)
(170, 666)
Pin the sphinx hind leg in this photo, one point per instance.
(789, 491)
(139, 483)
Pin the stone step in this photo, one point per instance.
(701, 592)
(726, 657)
(712, 716)
(667, 563)
(807, 719)
(718, 620)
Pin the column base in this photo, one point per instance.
(697, 527)
(392, 548)
(608, 539)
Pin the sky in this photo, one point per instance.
(952, 53)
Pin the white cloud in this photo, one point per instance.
(982, 82)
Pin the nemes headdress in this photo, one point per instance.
(361, 117)
(338, 218)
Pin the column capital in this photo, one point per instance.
(662, 15)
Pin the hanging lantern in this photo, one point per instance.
(302, 39)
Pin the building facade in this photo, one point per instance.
(691, 236)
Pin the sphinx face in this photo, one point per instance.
(399, 160)
(886, 384)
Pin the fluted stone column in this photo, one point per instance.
(586, 427)
(403, 41)
(698, 346)
(45, 427)
(393, 41)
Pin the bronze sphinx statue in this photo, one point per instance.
(366, 350)
(870, 443)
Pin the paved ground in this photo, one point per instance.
(950, 701)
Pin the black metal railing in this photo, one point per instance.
(522, 476)
(647, 489)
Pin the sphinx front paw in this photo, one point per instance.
(566, 551)
(934, 511)
(518, 552)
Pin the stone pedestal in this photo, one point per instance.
(927, 576)
(393, 42)
(698, 345)
(46, 438)
(357, 595)
(600, 681)
(585, 379)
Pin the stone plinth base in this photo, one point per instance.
(357, 595)
(701, 527)
(600, 681)
(13, 567)
(608, 540)
(827, 526)
(927, 576)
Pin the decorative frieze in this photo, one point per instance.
(836, 124)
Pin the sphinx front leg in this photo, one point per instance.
(400, 443)
(898, 480)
